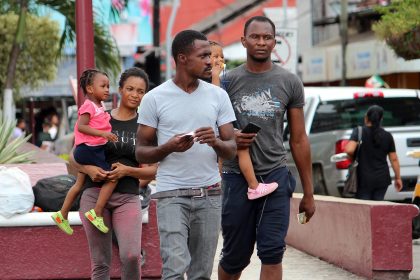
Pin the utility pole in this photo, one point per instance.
(285, 13)
(84, 38)
(344, 40)
(156, 38)
(175, 6)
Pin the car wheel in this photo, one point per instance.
(318, 181)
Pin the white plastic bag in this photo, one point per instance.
(16, 195)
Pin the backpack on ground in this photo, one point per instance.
(50, 192)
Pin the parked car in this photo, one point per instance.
(330, 115)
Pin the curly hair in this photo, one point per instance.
(134, 72)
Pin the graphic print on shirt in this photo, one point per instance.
(259, 103)
(126, 141)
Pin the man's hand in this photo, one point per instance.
(179, 143)
(244, 140)
(307, 205)
(205, 135)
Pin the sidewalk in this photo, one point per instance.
(300, 266)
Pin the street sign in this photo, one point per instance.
(285, 52)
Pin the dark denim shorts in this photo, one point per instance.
(91, 155)
(264, 220)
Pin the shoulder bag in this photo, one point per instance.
(350, 185)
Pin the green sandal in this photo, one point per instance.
(62, 223)
(98, 222)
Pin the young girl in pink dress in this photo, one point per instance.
(91, 132)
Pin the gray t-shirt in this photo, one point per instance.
(263, 98)
(172, 111)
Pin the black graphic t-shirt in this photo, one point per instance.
(263, 98)
(122, 151)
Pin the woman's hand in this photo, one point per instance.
(95, 173)
(118, 171)
(398, 184)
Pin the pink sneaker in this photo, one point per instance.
(261, 190)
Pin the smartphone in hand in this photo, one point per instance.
(251, 128)
(188, 135)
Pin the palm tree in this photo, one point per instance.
(106, 51)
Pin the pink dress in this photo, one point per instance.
(99, 119)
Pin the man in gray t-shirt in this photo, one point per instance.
(178, 124)
(263, 98)
(262, 93)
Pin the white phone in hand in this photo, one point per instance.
(188, 135)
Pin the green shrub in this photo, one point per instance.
(399, 26)
(8, 148)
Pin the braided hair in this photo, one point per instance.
(86, 79)
(375, 114)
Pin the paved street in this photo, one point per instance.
(415, 273)
(300, 266)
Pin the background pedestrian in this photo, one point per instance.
(377, 144)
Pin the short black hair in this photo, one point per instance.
(184, 41)
(134, 72)
(20, 120)
(260, 19)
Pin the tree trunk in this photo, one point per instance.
(11, 67)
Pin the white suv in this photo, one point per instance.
(330, 115)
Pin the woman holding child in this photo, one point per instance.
(122, 212)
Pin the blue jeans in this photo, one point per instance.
(264, 220)
(189, 230)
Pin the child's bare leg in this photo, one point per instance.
(72, 194)
(104, 195)
(245, 164)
